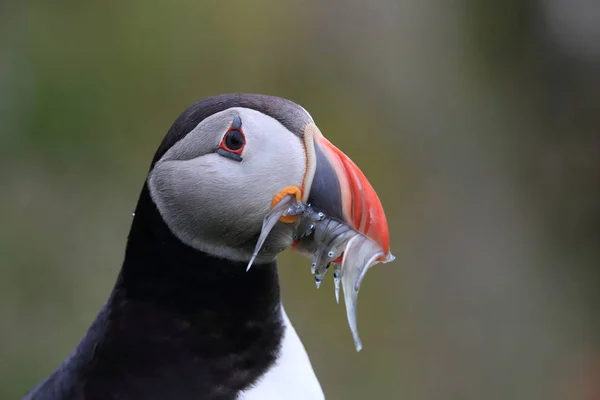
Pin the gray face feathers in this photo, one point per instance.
(215, 175)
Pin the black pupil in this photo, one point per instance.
(234, 140)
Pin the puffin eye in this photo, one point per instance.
(232, 144)
(234, 141)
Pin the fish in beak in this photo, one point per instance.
(338, 220)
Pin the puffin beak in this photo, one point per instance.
(335, 185)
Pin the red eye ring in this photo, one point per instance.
(233, 141)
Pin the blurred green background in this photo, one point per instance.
(476, 121)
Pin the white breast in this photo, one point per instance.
(291, 377)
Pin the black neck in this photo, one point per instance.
(159, 268)
(180, 323)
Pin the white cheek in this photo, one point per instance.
(273, 158)
(217, 204)
(214, 203)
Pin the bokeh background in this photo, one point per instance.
(476, 121)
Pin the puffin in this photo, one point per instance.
(186, 318)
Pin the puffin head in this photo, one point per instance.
(226, 158)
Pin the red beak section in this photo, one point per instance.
(340, 189)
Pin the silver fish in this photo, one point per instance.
(326, 239)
